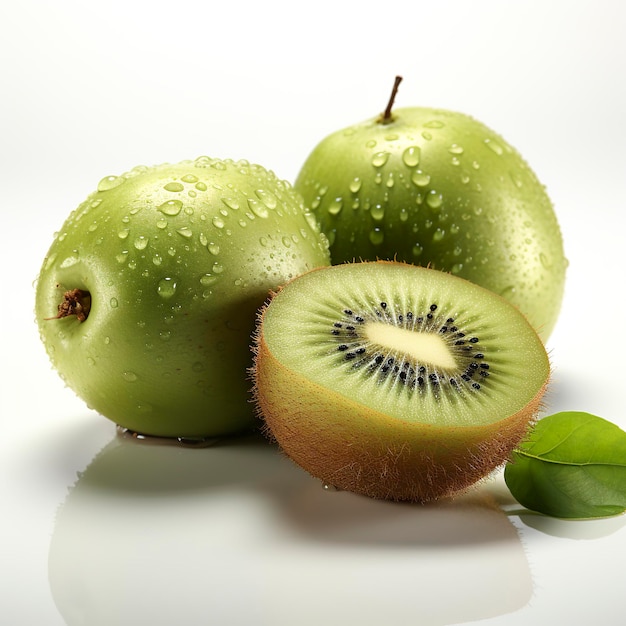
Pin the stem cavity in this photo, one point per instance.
(75, 302)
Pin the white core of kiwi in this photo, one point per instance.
(423, 347)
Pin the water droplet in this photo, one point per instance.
(428, 136)
(334, 208)
(165, 335)
(70, 260)
(201, 186)
(380, 158)
(494, 146)
(218, 268)
(185, 231)
(213, 248)
(411, 156)
(434, 124)
(377, 236)
(231, 203)
(207, 280)
(129, 377)
(257, 208)
(114, 303)
(508, 291)
(438, 235)
(355, 185)
(517, 181)
(455, 149)
(434, 199)
(420, 179)
(166, 287)
(390, 180)
(122, 234)
(122, 257)
(110, 182)
(377, 212)
(457, 268)
(218, 222)
(312, 222)
(417, 250)
(371, 143)
(50, 260)
(174, 187)
(267, 198)
(92, 227)
(545, 260)
(141, 242)
(189, 178)
(171, 207)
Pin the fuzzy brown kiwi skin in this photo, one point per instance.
(366, 452)
(363, 451)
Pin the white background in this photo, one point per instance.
(90, 89)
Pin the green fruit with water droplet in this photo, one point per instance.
(438, 188)
(149, 293)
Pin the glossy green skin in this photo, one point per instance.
(438, 188)
(178, 259)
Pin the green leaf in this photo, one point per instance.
(572, 465)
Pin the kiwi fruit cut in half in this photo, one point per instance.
(396, 381)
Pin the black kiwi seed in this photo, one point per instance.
(406, 370)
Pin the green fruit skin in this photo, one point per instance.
(177, 259)
(438, 188)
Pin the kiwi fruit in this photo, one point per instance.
(396, 381)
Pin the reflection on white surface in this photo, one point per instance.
(574, 529)
(236, 534)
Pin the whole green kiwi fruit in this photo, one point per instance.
(148, 295)
(438, 188)
(396, 381)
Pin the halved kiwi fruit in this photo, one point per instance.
(396, 381)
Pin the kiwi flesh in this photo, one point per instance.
(396, 381)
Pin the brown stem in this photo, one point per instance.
(75, 302)
(386, 117)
